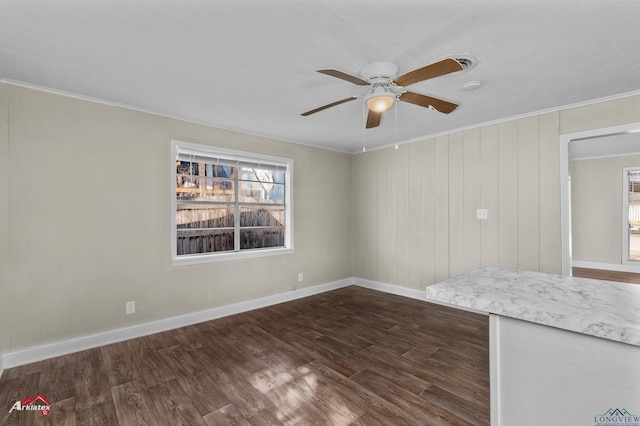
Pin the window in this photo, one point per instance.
(631, 214)
(229, 204)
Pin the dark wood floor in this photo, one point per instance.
(349, 356)
(606, 275)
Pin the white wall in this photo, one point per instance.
(416, 223)
(419, 226)
(596, 208)
(4, 224)
(69, 209)
(85, 220)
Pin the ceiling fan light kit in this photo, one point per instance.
(379, 100)
(387, 86)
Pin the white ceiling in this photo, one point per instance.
(249, 65)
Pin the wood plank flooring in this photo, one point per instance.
(352, 356)
(606, 275)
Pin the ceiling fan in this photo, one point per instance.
(387, 87)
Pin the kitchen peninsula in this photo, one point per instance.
(564, 350)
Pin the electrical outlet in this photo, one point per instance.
(482, 214)
(130, 308)
(300, 277)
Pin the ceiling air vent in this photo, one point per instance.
(466, 63)
(468, 60)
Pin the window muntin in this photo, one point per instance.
(229, 202)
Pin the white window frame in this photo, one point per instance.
(625, 217)
(239, 156)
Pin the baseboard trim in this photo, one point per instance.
(409, 292)
(390, 288)
(606, 266)
(68, 346)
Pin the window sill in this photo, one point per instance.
(223, 257)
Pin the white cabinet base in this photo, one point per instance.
(547, 376)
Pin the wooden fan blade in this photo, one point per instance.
(345, 76)
(332, 104)
(428, 102)
(443, 67)
(373, 119)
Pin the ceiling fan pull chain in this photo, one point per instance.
(396, 107)
(365, 110)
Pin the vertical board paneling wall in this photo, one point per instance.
(415, 207)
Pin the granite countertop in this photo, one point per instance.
(605, 309)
